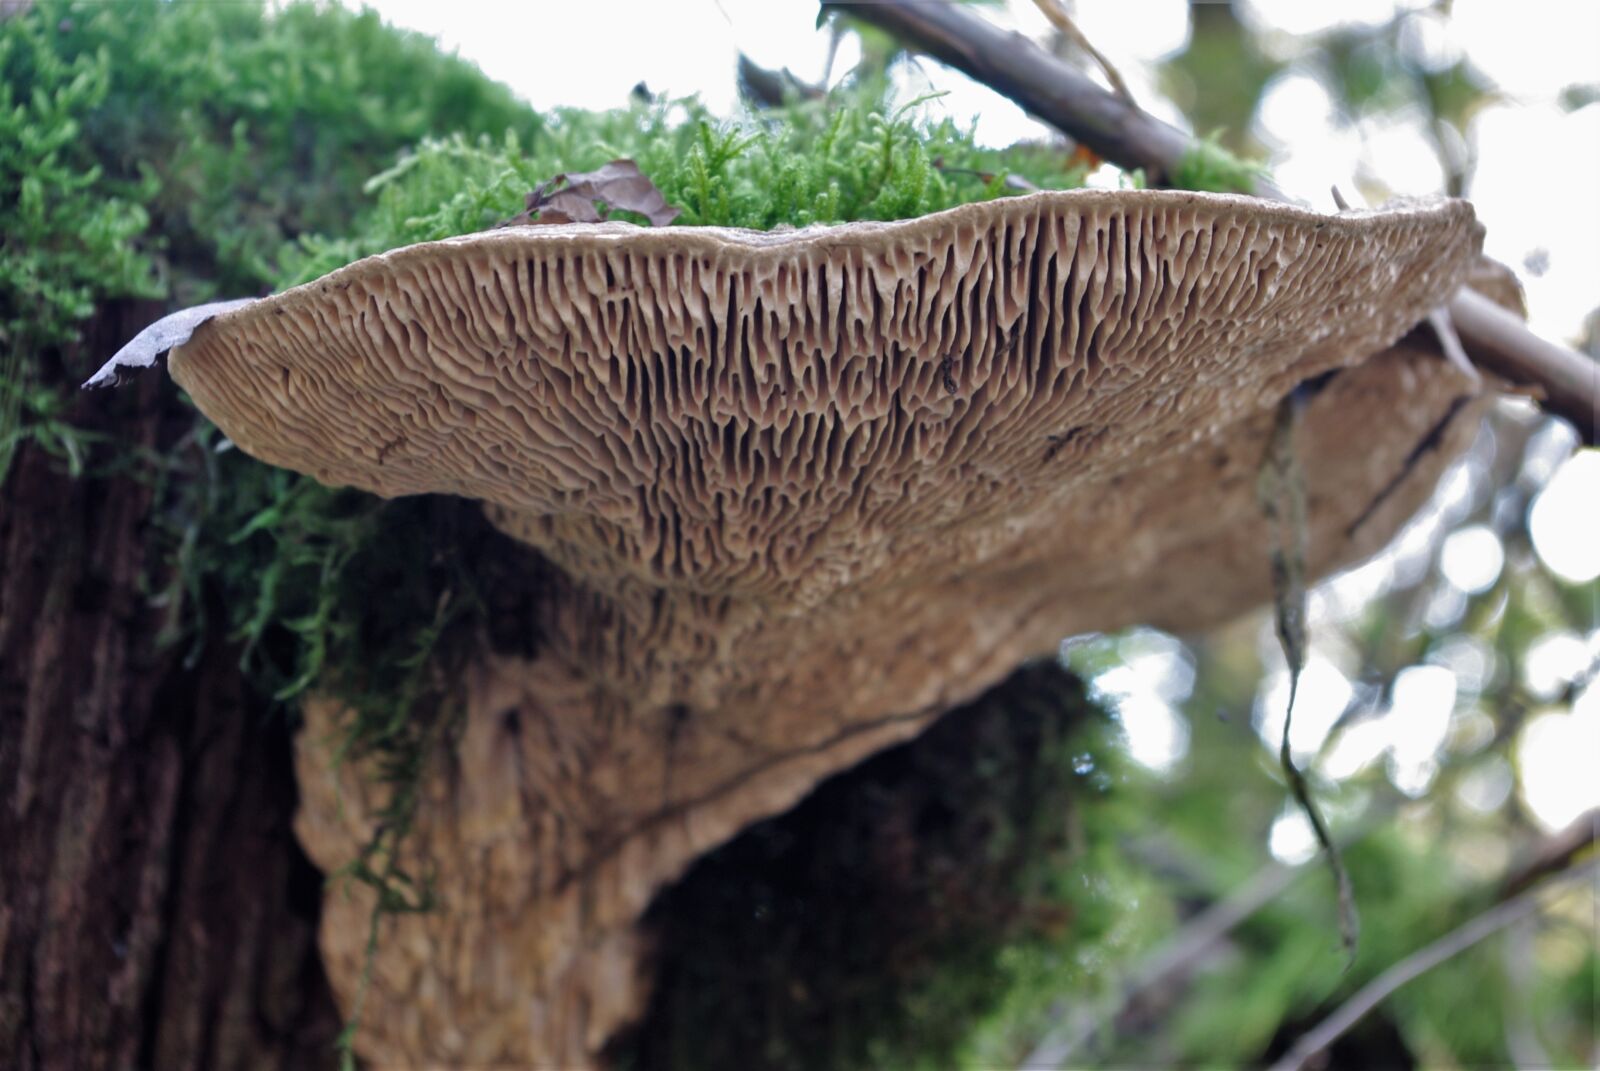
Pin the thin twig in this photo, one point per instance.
(1419, 963)
(1444, 329)
(1554, 854)
(1057, 14)
(773, 89)
(1017, 68)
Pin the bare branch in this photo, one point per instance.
(1553, 854)
(1019, 69)
(1500, 342)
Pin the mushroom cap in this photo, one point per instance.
(780, 416)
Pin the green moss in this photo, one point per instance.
(168, 150)
(849, 159)
(1210, 166)
(233, 129)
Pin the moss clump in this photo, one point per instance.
(892, 911)
(1210, 166)
(850, 158)
(65, 233)
(168, 150)
(194, 138)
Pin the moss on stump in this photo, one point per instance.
(873, 924)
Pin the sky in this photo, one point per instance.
(1533, 190)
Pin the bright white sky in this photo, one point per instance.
(1534, 191)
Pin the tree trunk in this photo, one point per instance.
(155, 910)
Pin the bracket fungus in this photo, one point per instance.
(807, 490)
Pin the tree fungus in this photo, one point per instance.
(806, 491)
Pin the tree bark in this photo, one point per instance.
(155, 910)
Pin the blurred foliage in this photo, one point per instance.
(1426, 853)
(1218, 78)
(1382, 71)
(1580, 96)
(1394, 70)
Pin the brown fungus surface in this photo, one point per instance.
(779, 416)
(808, 490)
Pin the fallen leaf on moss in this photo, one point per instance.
(578, 198)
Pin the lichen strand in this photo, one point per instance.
(568, 805)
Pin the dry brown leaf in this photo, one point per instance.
(616, 185)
